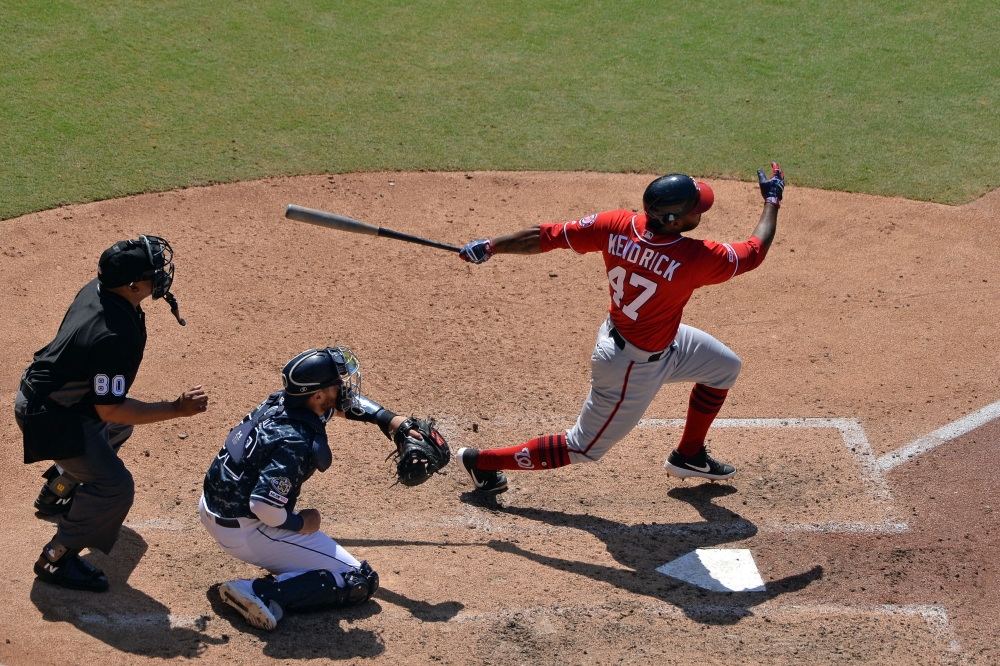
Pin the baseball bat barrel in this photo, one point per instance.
(330, 220)
(342, 223)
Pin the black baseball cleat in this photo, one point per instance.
(49, 504)
(71, 571)
(699, 465)
(487, 482)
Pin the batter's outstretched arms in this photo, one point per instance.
(772, 190)
(529, 241)
(525, 241)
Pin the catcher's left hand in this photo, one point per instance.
(419, 457)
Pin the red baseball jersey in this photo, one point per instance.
(651, 277)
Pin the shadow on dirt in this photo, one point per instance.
(124, 618)
(318, 635)
(643, 548)
(423, 611)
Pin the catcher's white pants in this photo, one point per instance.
(278, 551)
(623, 382)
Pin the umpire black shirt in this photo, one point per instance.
(95, 355)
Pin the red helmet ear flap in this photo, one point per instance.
(706, 197)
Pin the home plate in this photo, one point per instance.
(717, 569)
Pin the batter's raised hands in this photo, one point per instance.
(477, 251)
(191, 402)
(772, 188)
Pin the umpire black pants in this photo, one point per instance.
(102, 502)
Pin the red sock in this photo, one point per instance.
(546, 452)
(704, 404)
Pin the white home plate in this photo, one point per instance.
(717, 569)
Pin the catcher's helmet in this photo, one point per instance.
(675, 195)
(316, 369)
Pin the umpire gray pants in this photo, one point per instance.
(103, 499)
(623, 382)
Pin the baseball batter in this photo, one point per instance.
(253, 485)
(652, 271)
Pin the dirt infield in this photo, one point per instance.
(870, 325)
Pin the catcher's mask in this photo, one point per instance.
(673, 196)
(316, 369)
(149, 258)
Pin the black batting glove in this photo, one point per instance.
(477, 251)
(772, 188)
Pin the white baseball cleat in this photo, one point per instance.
(700, 465)
(240, 595)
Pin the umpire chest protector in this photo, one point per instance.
(93, 360)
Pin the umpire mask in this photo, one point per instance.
(149, 258)
(161, 255)
(316, 369)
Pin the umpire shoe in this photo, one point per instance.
(699, 465)
(240, 595)
(487, 482)
(71, 571)
(49, 504)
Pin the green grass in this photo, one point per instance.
(100, 99)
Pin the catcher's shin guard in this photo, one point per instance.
(318, 590)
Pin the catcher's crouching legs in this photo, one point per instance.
(318, 590)
(265, 601)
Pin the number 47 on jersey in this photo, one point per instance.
(617, 277)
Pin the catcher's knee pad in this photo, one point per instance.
(371, 576)
(318, 590)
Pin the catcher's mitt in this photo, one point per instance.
(417, 459)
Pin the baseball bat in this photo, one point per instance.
(342, 223)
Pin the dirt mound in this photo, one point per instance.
(877, 312)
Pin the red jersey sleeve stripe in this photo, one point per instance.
(733, 253)
(566, 236)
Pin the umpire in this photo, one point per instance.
(73, 407)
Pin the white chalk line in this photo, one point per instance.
(935, 617)
(157, 524)
(938, 437)
(475, 522)
(148, 621)
(852, 433)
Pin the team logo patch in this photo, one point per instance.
(587, 221)
(732, 255)
(523, 458)
(280, 498)
(281, 484)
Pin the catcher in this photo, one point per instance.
(251, 489)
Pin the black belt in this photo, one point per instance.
(227, 522)
(620, 343)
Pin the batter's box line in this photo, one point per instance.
(851, 432)
(935, 617)
(940, 436)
